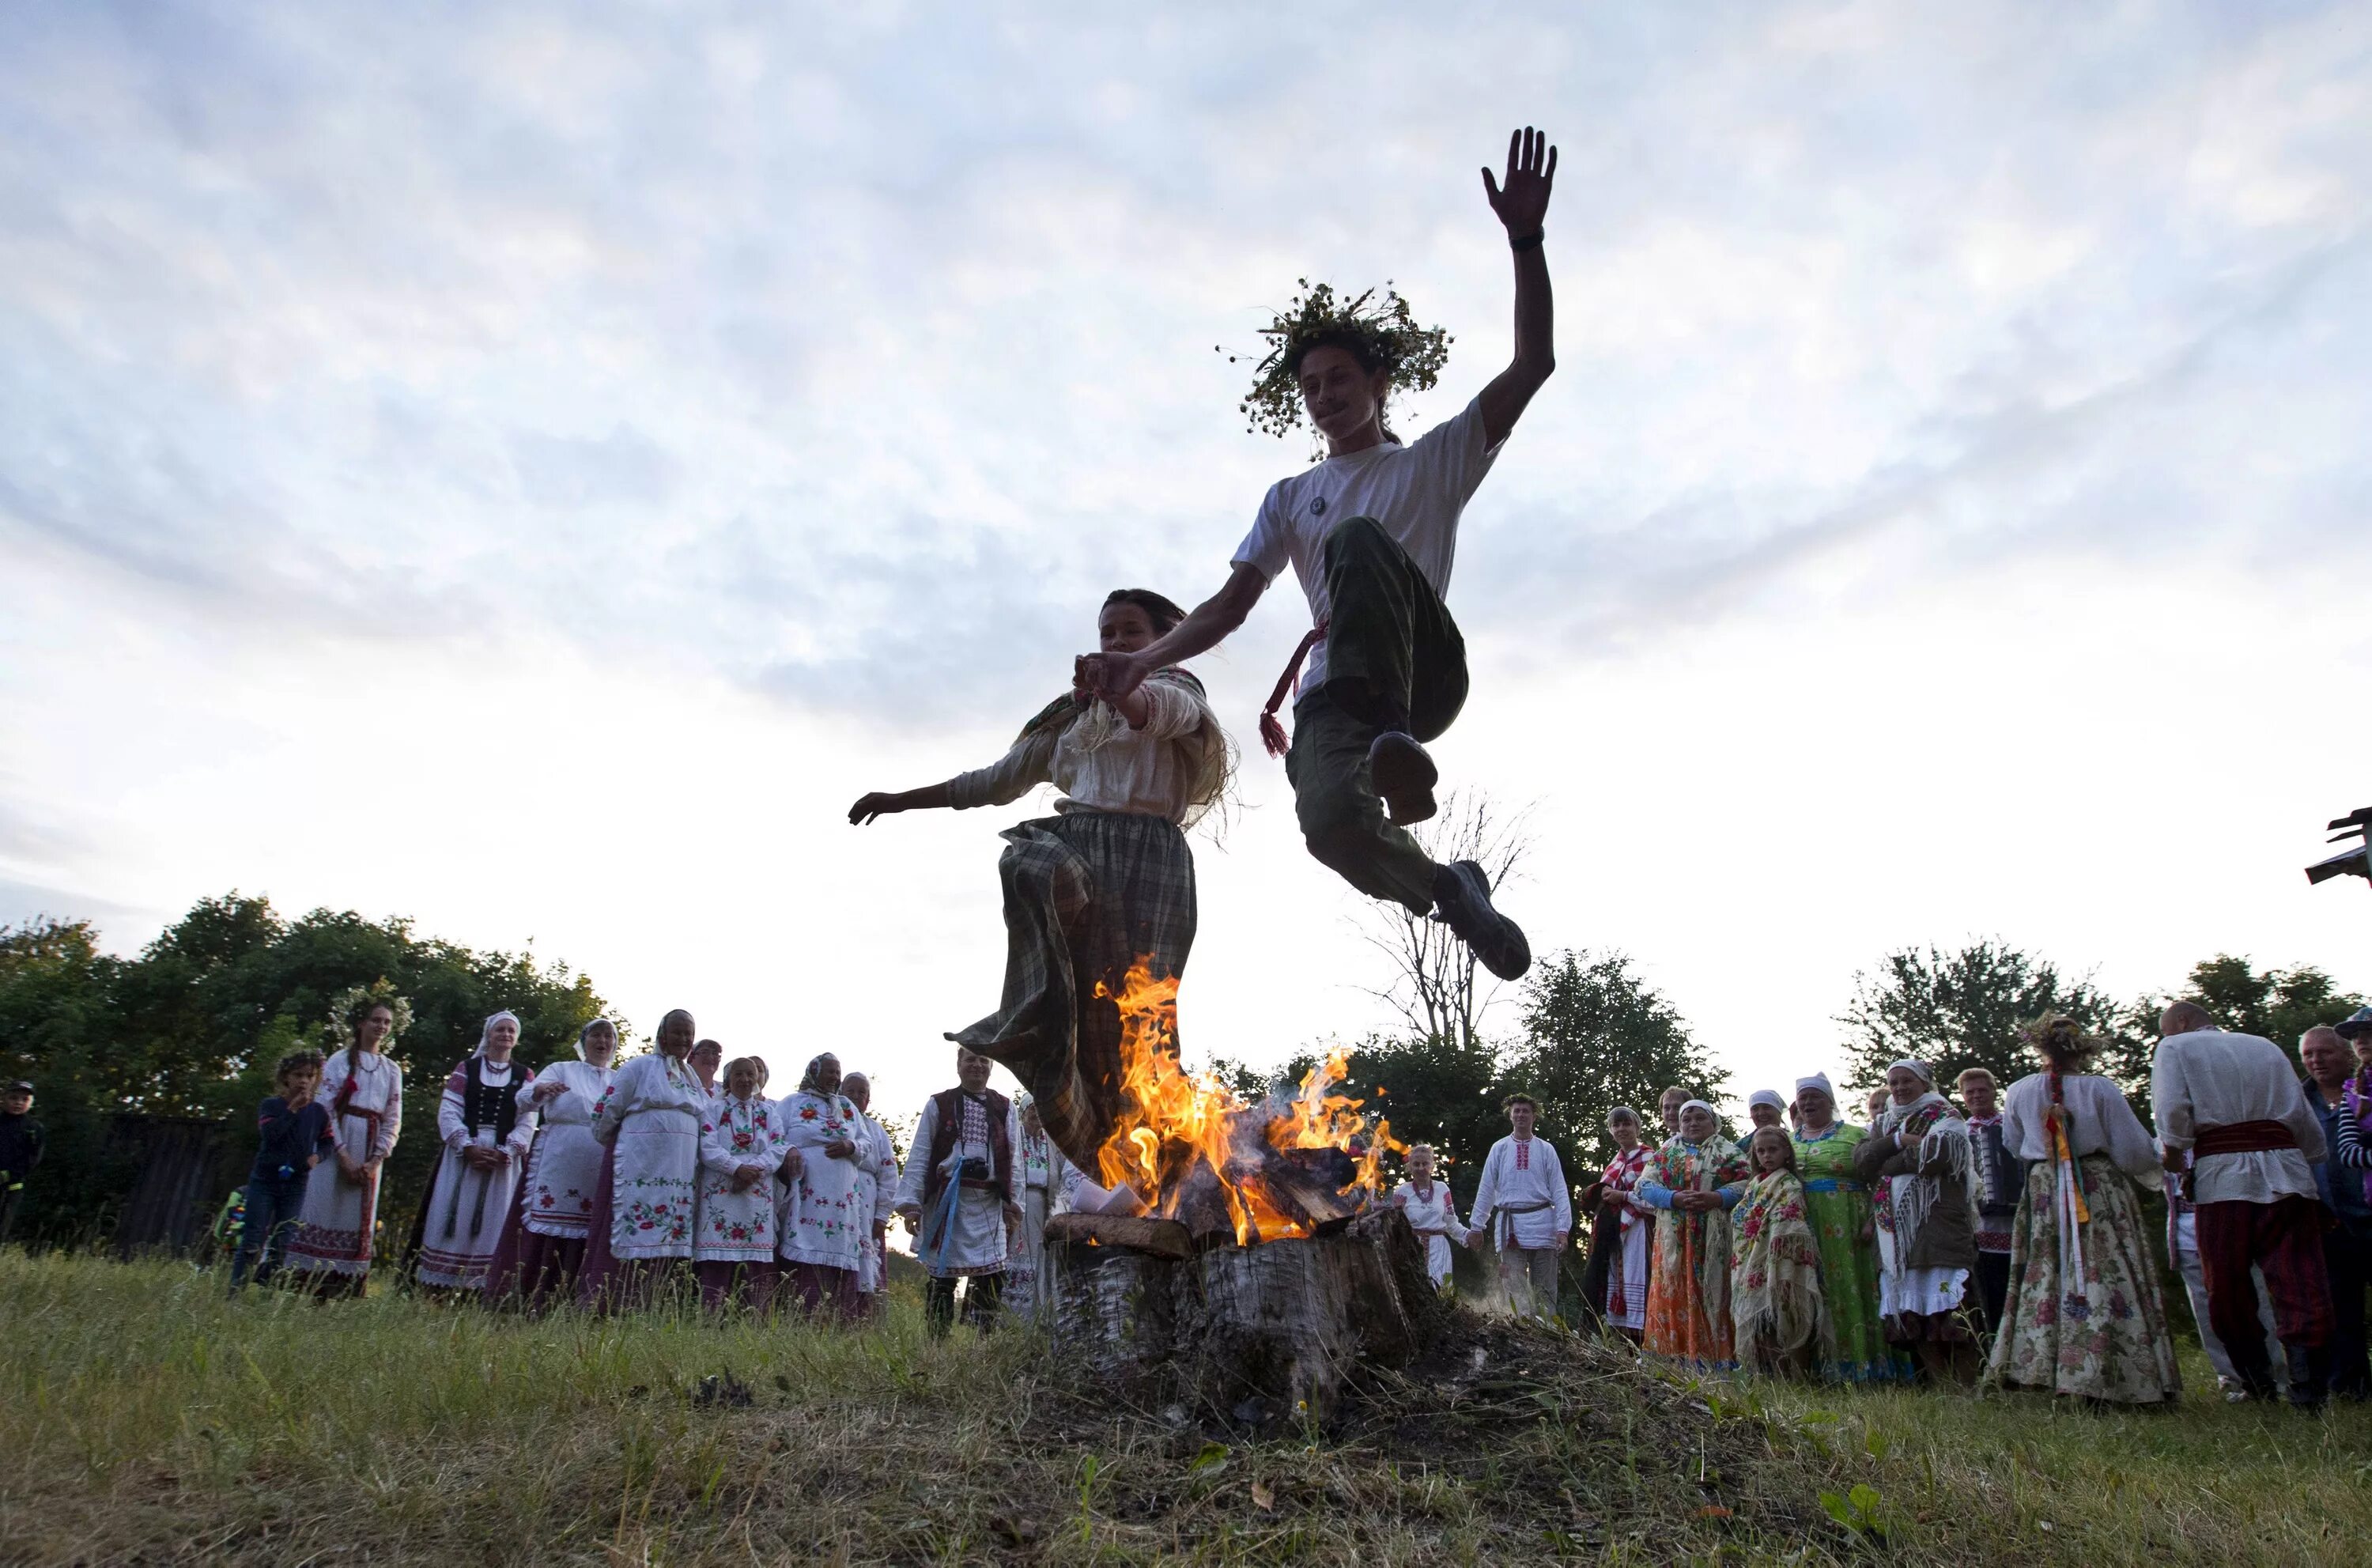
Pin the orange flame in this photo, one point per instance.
(1176, 1124)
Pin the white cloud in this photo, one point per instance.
(719, 413)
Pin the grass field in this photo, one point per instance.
(146, 1420)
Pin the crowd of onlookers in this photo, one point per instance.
(1998, 1235)
(617, 1185)
(1995, 1232)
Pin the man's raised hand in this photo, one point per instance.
(1522, 203)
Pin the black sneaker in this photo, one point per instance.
(1403, 775)
(1464, 905)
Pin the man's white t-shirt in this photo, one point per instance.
(1415, 491)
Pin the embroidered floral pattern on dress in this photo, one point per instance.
(664, 1219)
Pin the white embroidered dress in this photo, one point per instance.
(651, 1118)
(823, 1222)
(876, 1190)
(564, 1166)
(339, 1223)
(467, 1206)
(738, 1227)
(1433, 1214)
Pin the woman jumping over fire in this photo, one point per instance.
(1105, 881)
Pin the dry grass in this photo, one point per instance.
(145, 1420)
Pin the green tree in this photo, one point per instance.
(1962, 1009)
(1597, 1036)
(2278, 1004)
(192, 1026)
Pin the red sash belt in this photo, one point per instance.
(2243, 1138)
(1272, 731)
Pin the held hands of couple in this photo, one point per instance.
(1112, 677)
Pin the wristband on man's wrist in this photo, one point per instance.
(1527, 241)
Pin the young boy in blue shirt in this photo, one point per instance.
(295, 1133)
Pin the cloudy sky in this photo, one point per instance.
(529, 467)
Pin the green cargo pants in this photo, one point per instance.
(1394, 660)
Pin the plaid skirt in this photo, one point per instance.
(1086, 894)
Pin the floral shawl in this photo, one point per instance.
(1775, 1297)
(1699, 1168)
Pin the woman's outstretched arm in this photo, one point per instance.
(889, 803)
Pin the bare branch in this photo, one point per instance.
(1435, 986)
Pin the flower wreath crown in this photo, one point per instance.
(342, 1005)
(1411, 354)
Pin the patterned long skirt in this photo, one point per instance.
(1841, 1229)
(2103, 1336)
(1691, 1261)
(1086, 894)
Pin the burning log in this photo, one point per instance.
(1312, 1186)
(1155, 1239)
(1283, 1322)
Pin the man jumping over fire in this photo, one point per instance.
(1370, 532)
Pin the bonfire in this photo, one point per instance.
(1294, 1163)
(1242, 1261)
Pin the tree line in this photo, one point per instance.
(192, 1025)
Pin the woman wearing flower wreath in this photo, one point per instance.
(639, 1235)
(825, 1216)
(1371, 532)
(1104, 882)
(2085, 1315)
(338, 1226)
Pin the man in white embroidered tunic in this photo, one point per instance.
(956, 1194)
(2232, 1101)
(1524, 1205)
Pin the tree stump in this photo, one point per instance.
(1285, 1321)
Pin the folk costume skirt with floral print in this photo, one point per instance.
(2099, 1336)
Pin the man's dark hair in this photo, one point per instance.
(1519, 1097)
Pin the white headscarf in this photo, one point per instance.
(1926, 1074)
(1817, 1081)
(588, 1028)
(487, 1029)
(1766, 1096)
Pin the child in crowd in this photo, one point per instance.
(1775, 1303)
(295, 1133)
